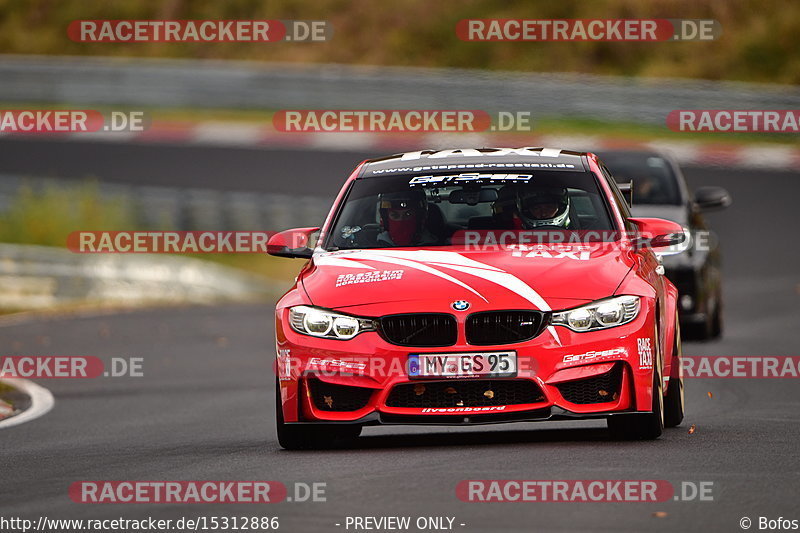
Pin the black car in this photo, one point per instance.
(657, 188)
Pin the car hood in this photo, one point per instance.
(542, 277)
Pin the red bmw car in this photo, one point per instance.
(477, 286)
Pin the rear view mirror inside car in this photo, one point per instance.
(472, 196)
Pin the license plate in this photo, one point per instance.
(462, 365)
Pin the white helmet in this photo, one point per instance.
(543, 207)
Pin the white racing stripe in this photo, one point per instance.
(418, 258)
(373, 256)
(512, 283)
(438, 258)
(41, 401)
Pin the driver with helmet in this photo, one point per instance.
(403, 218)
(526, 207)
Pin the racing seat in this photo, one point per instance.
(436, 224)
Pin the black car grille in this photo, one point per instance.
(472, 393)
(330, 397)
(423, 329)
(596, 389)
(503, 327)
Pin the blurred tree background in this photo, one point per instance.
(760, 39)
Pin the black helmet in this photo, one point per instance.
(403, 215)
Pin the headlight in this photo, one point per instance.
(598, 315)
(323, 323)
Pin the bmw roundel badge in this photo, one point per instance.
(460, 305)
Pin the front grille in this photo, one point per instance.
(503, 327)
(423, 329)
(472, 393)
(596, 389)
(330, 397)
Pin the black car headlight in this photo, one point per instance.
(319, 322)
(601, 314)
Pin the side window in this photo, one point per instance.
(618, 197)
(583, 206)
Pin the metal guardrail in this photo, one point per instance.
(40, 277)
(249, 85)
(192, 209)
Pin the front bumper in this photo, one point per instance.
(365, 380)
(540, 415)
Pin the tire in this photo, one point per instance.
(703, 331)
(674, 400)
(643, 426)
(710, 328)
(311, 436)
(640, 426)
(716, 320)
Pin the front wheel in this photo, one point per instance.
(674, 401)
(641, 426)
(311, 436)
(716, 319)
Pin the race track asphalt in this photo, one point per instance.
(204, 408)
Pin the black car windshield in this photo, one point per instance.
(654, 182)
(433, 209)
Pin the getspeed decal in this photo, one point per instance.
(368, 277)
(486, 166)
(337, 364)
(595, 354)
(470, 177)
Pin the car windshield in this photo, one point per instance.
(654, 182)
(433, 210)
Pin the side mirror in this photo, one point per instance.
(711, 198)
(658, 233)
(292, 243)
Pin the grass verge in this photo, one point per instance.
(8, 395)
(46, 215)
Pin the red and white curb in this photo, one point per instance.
(6, 410)
(245, 135)
(41, 402)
